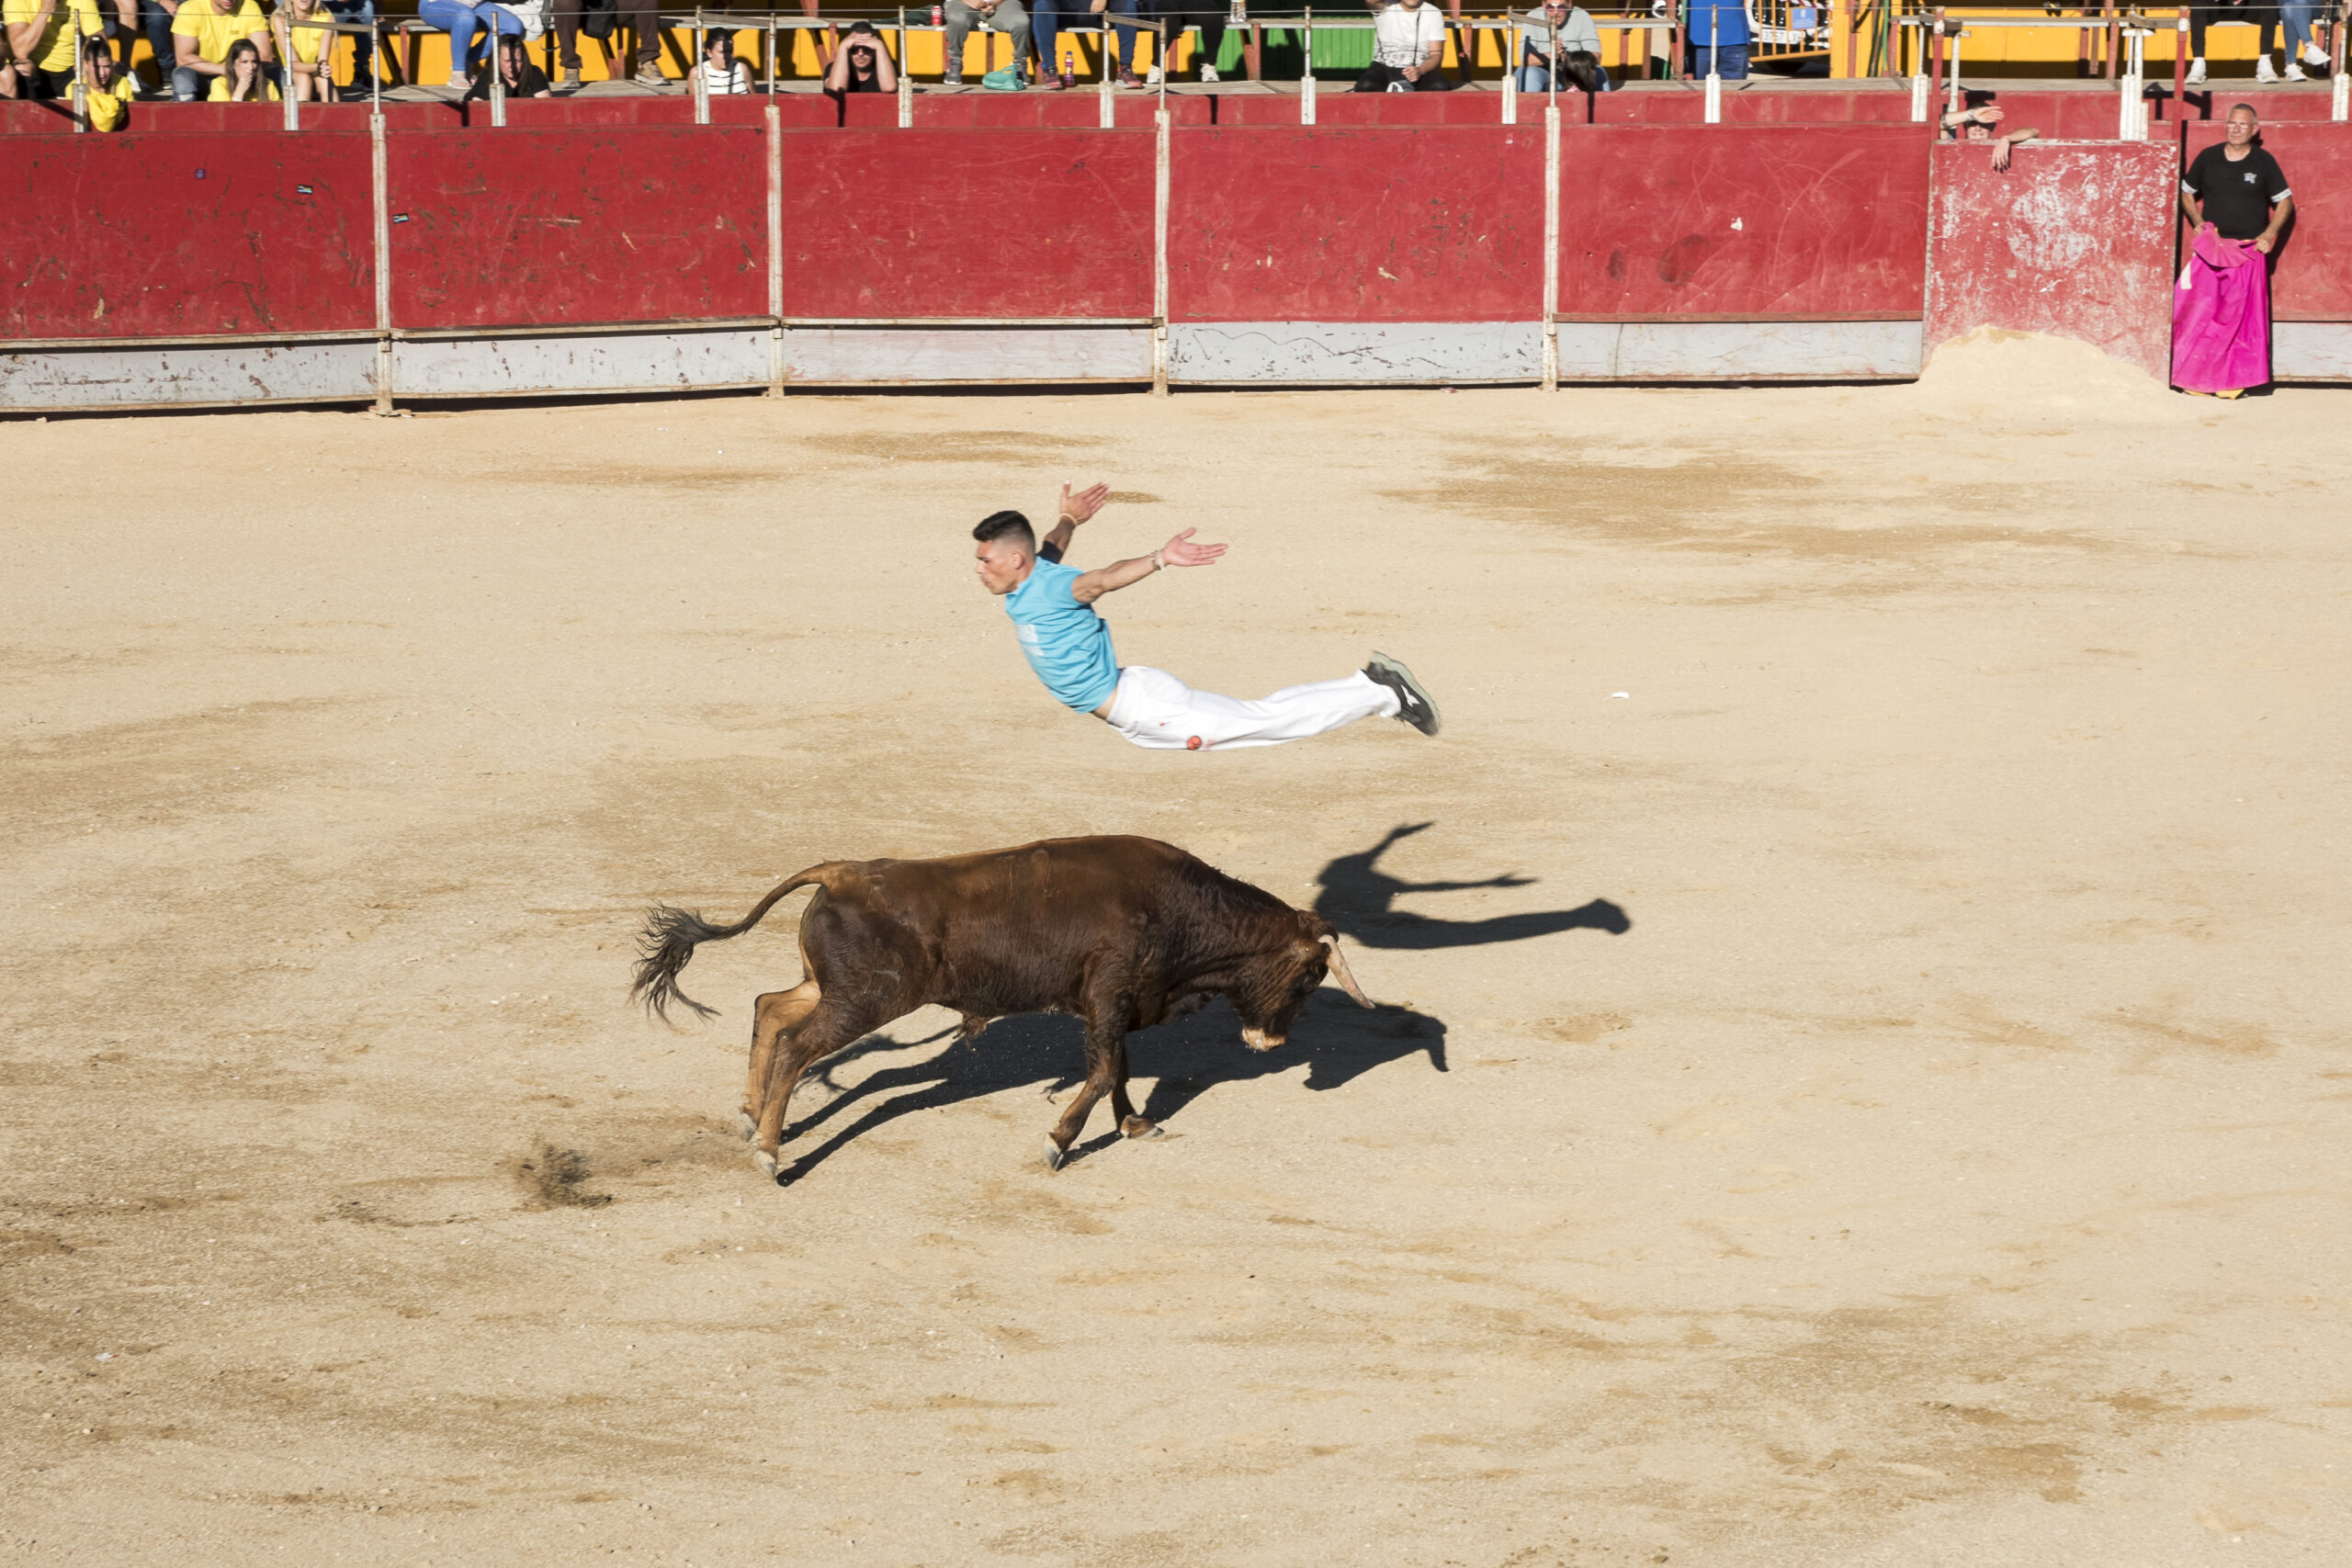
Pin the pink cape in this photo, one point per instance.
(2220, 316)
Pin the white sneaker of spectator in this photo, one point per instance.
(2263, 70)
(2314, 55)
(1208, 73)
(2295, 72)
(2197, 71)
(1151, 77)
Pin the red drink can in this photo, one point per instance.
(937, 16)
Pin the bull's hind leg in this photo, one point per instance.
(1133, 1125)
(829, 1026)
(1105, 1047)
(774, 1016)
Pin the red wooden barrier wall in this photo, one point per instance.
(1771, 222)
(1318, 224)
(166, 236)
(557, 228)
(2310, 277)
(2073, 241)
(940, 223)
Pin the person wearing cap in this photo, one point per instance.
(2237, 196)
(1559, 45)
(862, 64)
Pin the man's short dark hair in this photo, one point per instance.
(1007, 525)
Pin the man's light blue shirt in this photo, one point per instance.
(1066, 643)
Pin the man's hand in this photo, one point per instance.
(1182, 551)
(2264, 241)
(1079, 508)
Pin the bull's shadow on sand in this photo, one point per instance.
(1338, 1041)
(1359, 900)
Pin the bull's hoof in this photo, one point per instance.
(1053, 1154)
(751, 1128)
(766, 1160)
(1137, 1127)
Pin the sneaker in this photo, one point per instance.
(2295, 72)
(1151, 77)
(458, 81)
(2314, 55)
(650, 76)
(1128, 78)
(952, 79)
(1208, 73)
(1413, 705)
(571, 77)
(2197, 72)
(2263, 70)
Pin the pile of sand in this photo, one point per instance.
(1995, 372)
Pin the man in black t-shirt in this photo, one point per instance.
(2238, 197)
(862, 64)
(517, 74)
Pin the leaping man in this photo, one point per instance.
(1069, 645)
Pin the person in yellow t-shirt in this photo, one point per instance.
(309, 52)
(41, 44)
(243, 79)
(106, 88)
(201, 34)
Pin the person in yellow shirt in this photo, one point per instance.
(107, 88)
(43, 45)
(243, 79)
(309, 52)
(201, 35)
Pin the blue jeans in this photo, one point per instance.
(158, 23)
(1729, 61)
(189, 86)
(1048, 17)
(363, 45)
(460, 20)
(2299, 18)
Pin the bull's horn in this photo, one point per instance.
(1339, 972)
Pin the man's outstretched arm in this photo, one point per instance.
(1076, 508)
(1177, 551)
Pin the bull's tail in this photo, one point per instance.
(671, 935)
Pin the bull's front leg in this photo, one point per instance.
(1133, 1125)
(1103, 1042)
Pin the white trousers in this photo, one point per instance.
(1152, 707)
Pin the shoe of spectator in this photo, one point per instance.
(2264, 72)
(458, 80)
(1151, 77)
(952, 79)
(2295, 72)
(2314, 55)
(2197, 72)
(362, 86)
(1208, 73)
(650, 76)
(571, 77)
(1128, 78)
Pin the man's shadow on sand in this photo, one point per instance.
(1338, 1041)
(1359, 899)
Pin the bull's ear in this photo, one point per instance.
(1339, 972)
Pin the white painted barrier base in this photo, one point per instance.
(752, 354)
(2310, 351)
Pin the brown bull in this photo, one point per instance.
(1121, 933)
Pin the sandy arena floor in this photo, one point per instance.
(1863, 1077)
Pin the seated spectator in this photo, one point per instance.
(1408, 45)
(1567, 29)
(1977, 122)
(862, 64)
(42, 47)
(309, 52)
(1718, 39)
(602, 19)
(516, 76)
(1124, 46)
(107, 88)
(461, 20)
(723, 75)
(202, 32)
(2259, 15)
(243, 79)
